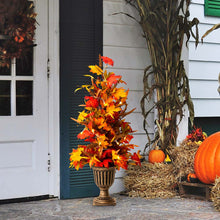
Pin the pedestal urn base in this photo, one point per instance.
(108, 201)
(104, 178)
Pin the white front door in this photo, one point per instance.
(24, 119)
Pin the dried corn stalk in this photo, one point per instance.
(164, 24)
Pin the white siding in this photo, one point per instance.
(204, 65)
(123, 42)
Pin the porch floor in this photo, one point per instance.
(126, 208)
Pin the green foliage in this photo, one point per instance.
(165, 23)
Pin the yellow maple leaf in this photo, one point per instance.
(119, 160)
(95, 69)
(82, 115)
(111, 109)
(75, 155)
(93, 160)
(105, 126)
(120, 93)
(75, 164)
(115, 155)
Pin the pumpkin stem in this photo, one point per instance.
(154, 146)
(157, 147)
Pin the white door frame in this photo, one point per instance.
(54, 104)
(26, 136)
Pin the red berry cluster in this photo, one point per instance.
(196, 135)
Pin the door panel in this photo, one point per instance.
(24, 120)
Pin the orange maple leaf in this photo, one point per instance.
(108, 101)
(100, 123)
(101, 140)
(19, 39)
(105, 98)
(121, 164)
(90, 125)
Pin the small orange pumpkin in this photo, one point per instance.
(207, 159)
(156, 156)
(192, 178)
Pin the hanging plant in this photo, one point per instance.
(17, 27)
(164, 24)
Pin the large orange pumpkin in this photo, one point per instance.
(156, 156)
(207, 159)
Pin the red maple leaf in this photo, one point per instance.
(113, 79)
(85, 134)
(106, 162)
(90, 114)
(90, 139)
(136, 158)
(107, 60)
(92, 102)
(128, 138)
(107, 153)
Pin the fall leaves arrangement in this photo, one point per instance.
(196, 136)
(17, 25)
(103, 118)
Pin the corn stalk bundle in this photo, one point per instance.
(164, 24)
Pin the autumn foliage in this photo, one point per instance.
(17, 26)
(106, 131)
(197, 136)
